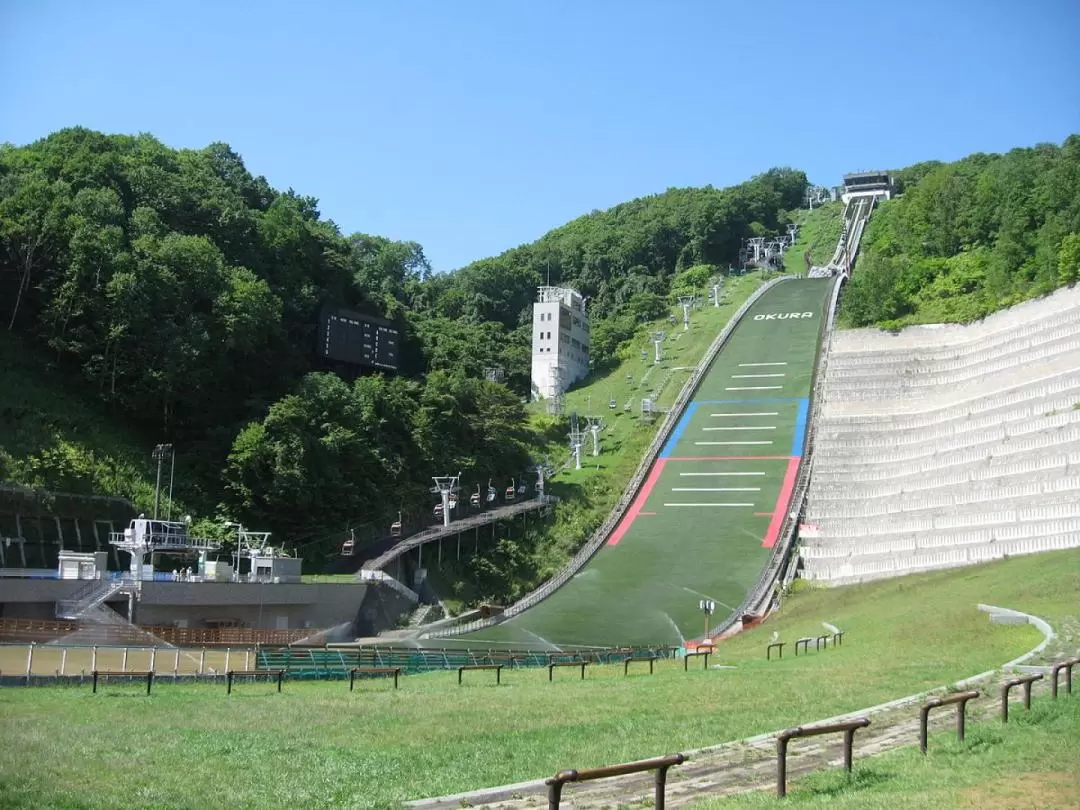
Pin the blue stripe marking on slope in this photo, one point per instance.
(799, 439)
(677, 433)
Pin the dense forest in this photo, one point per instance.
(970, 237)
(181, 293)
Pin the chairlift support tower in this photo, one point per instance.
(686, 301)
(657, 340)
(717, 284)
(577, 441)
(446, 485)
(595, 425)
(542, 471)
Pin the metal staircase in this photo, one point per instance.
(93, 594)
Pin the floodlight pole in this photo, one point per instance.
(707, 607)
(657, 339)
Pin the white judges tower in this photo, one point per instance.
(560, 342)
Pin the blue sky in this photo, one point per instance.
(473, 127)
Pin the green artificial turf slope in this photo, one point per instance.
(700, 528)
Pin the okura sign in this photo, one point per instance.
(783, 316)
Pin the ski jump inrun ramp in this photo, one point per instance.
(710, 510)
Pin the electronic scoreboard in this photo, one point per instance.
(363, 340)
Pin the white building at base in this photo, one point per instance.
(560, 342)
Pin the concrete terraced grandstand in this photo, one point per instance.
(948, 445)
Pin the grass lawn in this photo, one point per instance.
(1030, 764)
(318, 745)
(819, 232)
(702, 525)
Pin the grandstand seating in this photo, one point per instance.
(335, 662)
(944, 446)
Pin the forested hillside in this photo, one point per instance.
(970, 237)
(177, 295)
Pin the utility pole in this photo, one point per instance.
(172, 474)
(160, 451)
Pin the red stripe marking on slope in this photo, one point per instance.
(643, 514)
(639, 502)
(782, 503)
(763, 514)
(727, 458)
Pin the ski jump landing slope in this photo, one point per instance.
(704, 523)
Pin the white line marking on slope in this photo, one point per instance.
(748, 365)
(747, 427)
(716, 489)
(756, 388)
(754, 376)
(723, 473)
(711, 443)
(759, 413)
(708, 504)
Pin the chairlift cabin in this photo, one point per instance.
(348, 548)
(510, 491)
(395, 527)
(492, 493)
(453, 502)
(474, 499)
(438, 511)
(522, 487)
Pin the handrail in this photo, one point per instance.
(395, 671)
(601, 535)
(232, 673)
(849, 727)
(960, 698)
(1066, 665)
(658, 764)
(149, 675)
(1020, 680)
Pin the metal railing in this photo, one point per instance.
(659, 764)
(600, 536)
(89, 597)
(849, 727)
